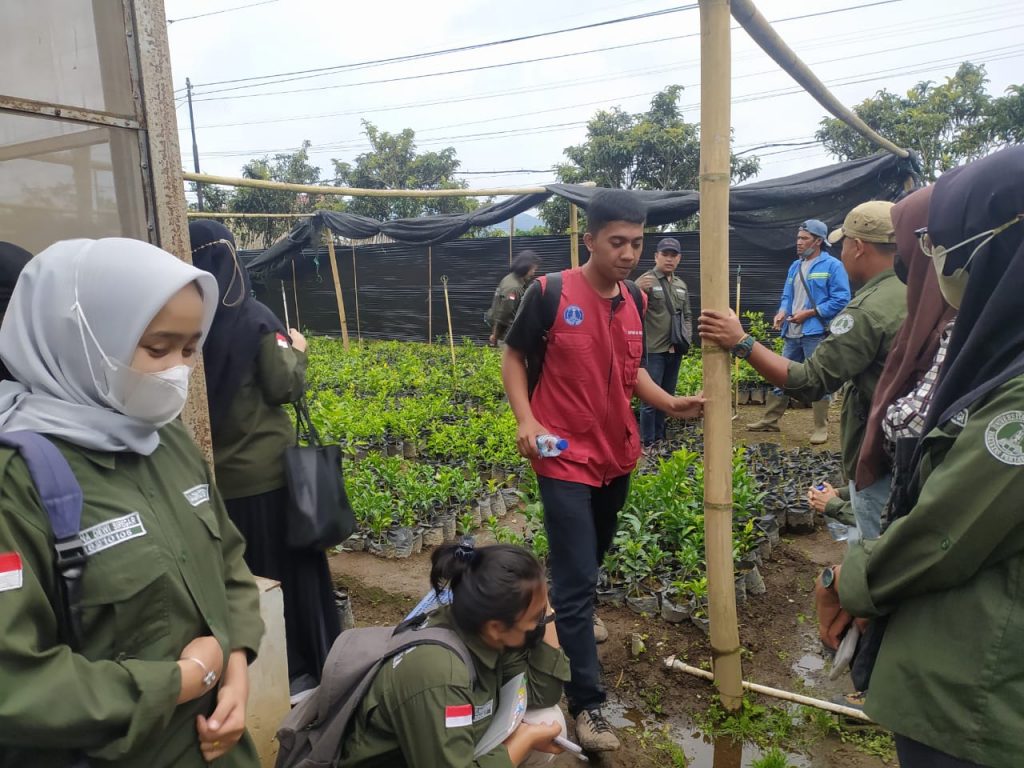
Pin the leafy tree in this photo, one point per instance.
(947, 123)
(291, 167)
(214, 198)
(394, 163)
(656, 149)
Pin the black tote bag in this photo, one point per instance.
(319, 514)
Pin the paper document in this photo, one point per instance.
(511, 708)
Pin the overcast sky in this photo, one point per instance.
(539, 108)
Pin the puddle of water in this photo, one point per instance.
(810, 668)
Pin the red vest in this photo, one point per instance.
(590, 370)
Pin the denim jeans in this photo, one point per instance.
(663, 368)
(799, 350)
(580, 521)
(868, 504)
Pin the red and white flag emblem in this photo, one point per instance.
(10, 577)
(282, 341)
(459, 716)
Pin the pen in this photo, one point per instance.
(576, 749)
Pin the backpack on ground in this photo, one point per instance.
(311, 735)
(551, 297)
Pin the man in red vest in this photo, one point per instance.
(593, 363)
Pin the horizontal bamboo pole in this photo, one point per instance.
(761, 31)
(673, 663)
(231, 181)
(223, 215)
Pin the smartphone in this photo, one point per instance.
(567, 745)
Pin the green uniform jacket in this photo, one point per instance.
(950, 576)
(248, 447)
(658, 320)
(505, 303)
(854, 354)
(165, 566)
(401, 722)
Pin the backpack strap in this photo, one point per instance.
(638, 298)
(62, 499)
(551, 296)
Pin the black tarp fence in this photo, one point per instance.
(393, 283)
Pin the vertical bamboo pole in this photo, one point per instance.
(430, 295)
(295, 290)
(715, 67)
(448, 311)
(736, 368)
(355, 285)
(337, 291)
(511, 234)
(574, 236)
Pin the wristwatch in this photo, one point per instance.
(743, 347)
(828, 578)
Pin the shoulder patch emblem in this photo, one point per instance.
(841, 324)
(458, 716)
(959, 419)
(573, 315)
(282, 341)
(10, 571)
(197, 495)
(1004, 438)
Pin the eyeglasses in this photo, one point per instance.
(932, 251)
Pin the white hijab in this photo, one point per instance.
(122, 285)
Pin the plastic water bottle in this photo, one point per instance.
(549, 446)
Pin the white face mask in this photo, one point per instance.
(157, 398)
(952, 287)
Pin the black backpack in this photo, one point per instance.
(551, 296)
(311, 735)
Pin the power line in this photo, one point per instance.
(223, 10)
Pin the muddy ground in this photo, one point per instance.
(647, 702)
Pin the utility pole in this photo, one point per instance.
(195, 147)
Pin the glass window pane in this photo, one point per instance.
(60, 180)
(71, 52)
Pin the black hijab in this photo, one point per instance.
(240, 323)
(987, 346)
(13, 259)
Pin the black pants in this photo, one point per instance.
(311, 621)
(580, 521)
(914, 754)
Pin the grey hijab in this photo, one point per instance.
(121, 286)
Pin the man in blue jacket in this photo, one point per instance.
(816, 290)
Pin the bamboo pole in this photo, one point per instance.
(355, 285)
(224, 215)
(715, 136)
(574, 236)
(739, 282)
(337, 291)
(284, 303)
(511, 234)
(761, 31)
(672, 663)
(430, 295)
(295, 290)
(448, 311)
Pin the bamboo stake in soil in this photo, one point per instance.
(448, 311)
(355, 285)
(337, 291)
(672, 663)
(574, 236)
(715, 136)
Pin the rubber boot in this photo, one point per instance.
(775, 407)
(820, 433)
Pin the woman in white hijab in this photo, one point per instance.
(100, 337)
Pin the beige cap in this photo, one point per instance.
(870, 222)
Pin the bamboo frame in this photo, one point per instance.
(574, 236)
(736, 364)
(337, 292)
(226, 215)
(715, 138)
(673, 663)
(757, 26)
(430, 295)
(448, 311)
(355, 285)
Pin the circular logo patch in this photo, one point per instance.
(573, 315)
(1004, 438)
(841, 324)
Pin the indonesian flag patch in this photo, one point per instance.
(458, 716)
(282, 341)
(10, 578)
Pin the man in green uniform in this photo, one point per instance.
(509, 293)
(854, 353)
(667, 295)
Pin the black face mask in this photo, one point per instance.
(534, 637)
(900, 268)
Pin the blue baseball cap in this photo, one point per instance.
(815, 227)
(668, 244)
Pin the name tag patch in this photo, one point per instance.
(112, 532)
(10, 571)
(483, 711)
(458, 716)
(197, 495)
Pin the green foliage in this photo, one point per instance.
(394, 163)
(765, 726)
(773, 758)
(947, 124)
(656, 149)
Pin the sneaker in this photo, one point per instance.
(600, 630)
(594, 733)
(853, 700)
